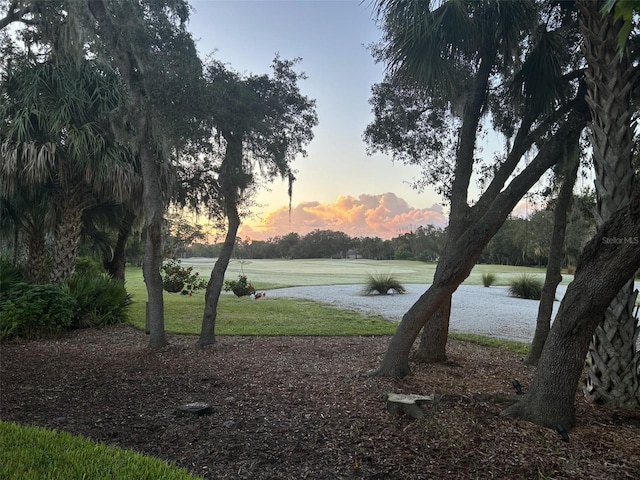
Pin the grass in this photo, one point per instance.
(381, 283)
(33, 453)
(488, 279)
(268, 274)
(510, 345)
(527, 287)
(246, 316)
(283, 316)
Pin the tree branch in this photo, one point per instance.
(15, 14)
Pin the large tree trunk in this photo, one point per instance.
(612, 377)
(602, 270)
(463, 250)
(553, 276)
(119, 41)
(433, 341)
(154, 208)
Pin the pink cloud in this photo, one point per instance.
(385, 216)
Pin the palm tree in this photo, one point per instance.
(612, 374)
(57, 132)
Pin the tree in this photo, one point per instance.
(261, 123)
(613, 377)
(553, 275)
(613, 256)
(603, 269)
(57, 134)
(147, 42)
(451, 53)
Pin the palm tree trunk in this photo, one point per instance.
(37, 270)
(556, 256)
(67, 235)
(612, 376)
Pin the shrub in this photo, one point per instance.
(100, 299)
(488, 279)
(382, 283)
(10, 275)
(240, 287)
(32, 311)
(526, 287)
(88, 265)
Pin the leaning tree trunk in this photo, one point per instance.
(553, 276)
(214, 287)
(463, 250)
(231, 181)
(602, 270)
(612, 375)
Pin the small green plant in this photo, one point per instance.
(241, 287)
(179, 279)
(382, 284)
(526, 286)
(100, 300)
(488, 279)
(32, 311)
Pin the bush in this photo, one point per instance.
(88, 265)
(32, 311)
(382, 283)
(240, 287)
(100, 299)
(526, 287)
(10, 275)
(488, 279)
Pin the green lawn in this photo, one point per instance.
(32, 453)
(288, 316)
(268, 274)
(246, 316)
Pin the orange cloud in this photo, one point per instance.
(385, 216)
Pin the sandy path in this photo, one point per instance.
(475, 309)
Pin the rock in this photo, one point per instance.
(195, 408)
(409, 404)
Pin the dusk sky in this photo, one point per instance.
(338, 187)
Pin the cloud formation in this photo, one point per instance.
(384, 215)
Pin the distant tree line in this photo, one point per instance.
(520, 241)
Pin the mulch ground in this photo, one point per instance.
(293, 407)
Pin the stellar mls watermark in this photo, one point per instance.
(621, 240)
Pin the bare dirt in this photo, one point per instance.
(293, 407)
